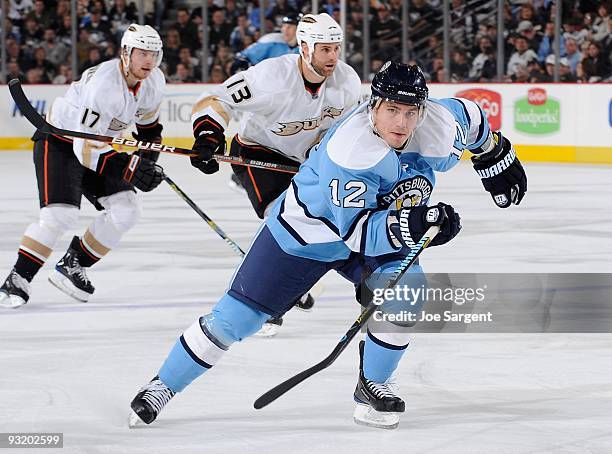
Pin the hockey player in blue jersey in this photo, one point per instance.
(357, 205)
(270, 45)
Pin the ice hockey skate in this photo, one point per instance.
(149, 401)
(15, 291)
(377, 405)
(71, 278)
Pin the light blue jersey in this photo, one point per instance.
(268, 46)
(340, 200)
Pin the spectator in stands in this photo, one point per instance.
(191, 63)
(280, 10)
(220, 30)
(424, 21)
(188, 31)
(547, 45)
(353, 46)
(15, 53)
(596, 67)
(375, 65)
(64, 30)
(64, 75)
(565, 72)
(14, 72)
(83, 47)
(94, 58)
(47, 69)
(33, 76)
(217, 74)
(99, 29)
(463, 23)
(18, 10)
(526, 29)
(600, 23)
(32, 34)
(172, 46)
(521, 73)
(232, 12)
(223, 56)
(572, 54)
(576, 29)
(121, 15)
(482, 59)
(57, 52)
(45, 18)
(110, 52)
(385, 33)
(459, 67)
(522, 56)
(182, 75)
(242, 29)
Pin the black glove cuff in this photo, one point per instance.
(209, 126)
(149, 133)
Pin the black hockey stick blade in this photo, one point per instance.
(274, 393)
(26, 109)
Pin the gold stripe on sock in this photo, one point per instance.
(34, 247)
(94, 245)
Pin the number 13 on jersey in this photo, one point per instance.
(355, 188)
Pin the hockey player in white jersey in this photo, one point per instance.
(358, 205)
(106, 100)
(284, 106)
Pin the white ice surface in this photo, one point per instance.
(73, 368)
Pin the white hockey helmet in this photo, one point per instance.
(317, 28)
(142, 37)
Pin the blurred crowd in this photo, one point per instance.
(38, 37)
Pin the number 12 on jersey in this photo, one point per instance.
(357, 188)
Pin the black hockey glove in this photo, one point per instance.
(149, 133)
(501, 172)
(210, 138)
(143, 173)
(408, 225)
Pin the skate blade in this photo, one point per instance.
(134, 421)
(11, 301)
(62, 283)
(267, 330)
(365, 415)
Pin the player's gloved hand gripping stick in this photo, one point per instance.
(279, 390)
(43, 126)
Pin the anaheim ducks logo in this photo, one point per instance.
(407, 193)
(293, 127)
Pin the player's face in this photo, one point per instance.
(325, 58)
(288, 32)
(142, 62)
(395, 122)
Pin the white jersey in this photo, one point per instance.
(275, 109)
(101, 103)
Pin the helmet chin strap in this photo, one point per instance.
(309, 60)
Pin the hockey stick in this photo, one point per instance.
(274, 393)
(28, 111)
(213, 225)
